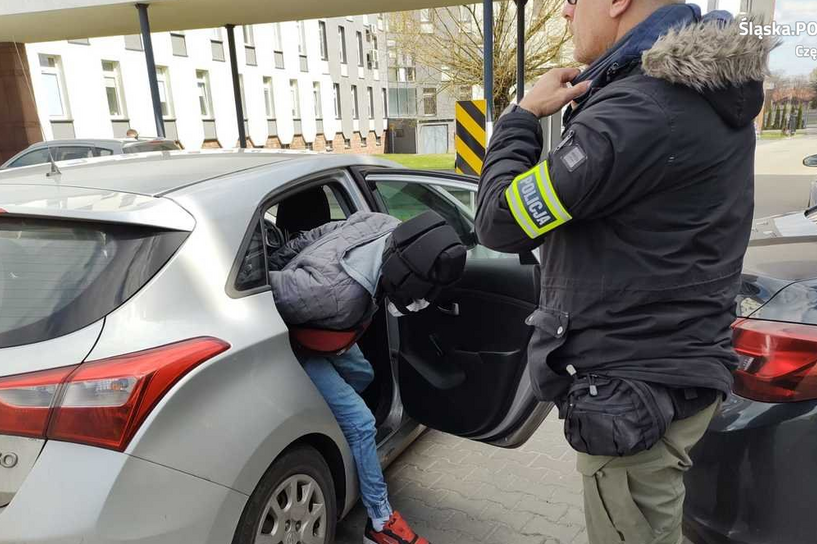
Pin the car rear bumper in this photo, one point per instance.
(754, 477)
(90, 495)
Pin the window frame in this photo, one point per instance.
(322, 38)
(119, 88)
(163, 80)
(338, 100)
(203, 77)
(59, 76)
(269, 97)
(295, 98)
(355, 102)
(344, 56)
(316, 98)
(351, 200)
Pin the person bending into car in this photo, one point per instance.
(642, 215)
(334, 278)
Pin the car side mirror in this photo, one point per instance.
(810, 161)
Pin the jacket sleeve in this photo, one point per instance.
(612, 154)
(281, 257)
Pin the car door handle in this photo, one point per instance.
(452, 309)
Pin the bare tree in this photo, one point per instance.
(450, 42)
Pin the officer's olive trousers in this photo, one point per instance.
(639, 499)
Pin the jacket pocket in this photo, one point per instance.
(550, 331)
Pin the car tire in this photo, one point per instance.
(294, 503)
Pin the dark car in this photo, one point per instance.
(66, 150)
(755, 475)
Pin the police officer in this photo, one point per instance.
(642, 216)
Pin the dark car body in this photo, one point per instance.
(754, 478)
(66, 150)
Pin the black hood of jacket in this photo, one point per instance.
(714, 59)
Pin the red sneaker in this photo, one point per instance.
(396, 531)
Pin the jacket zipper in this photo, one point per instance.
(568, 138)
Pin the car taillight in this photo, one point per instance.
(100, 403)
(778, 361)
(26, 401)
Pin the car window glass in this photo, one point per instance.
(102, 152)
(68, 153)
(405, 200)
(38, 156)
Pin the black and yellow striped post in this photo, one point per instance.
(469, 138)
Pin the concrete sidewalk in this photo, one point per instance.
(455, 491)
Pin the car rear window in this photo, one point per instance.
(57, 277)
(143, 147)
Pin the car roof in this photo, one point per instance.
(148, 174)
(94, 141)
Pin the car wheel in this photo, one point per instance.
(294, 503)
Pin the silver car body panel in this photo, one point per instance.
(79, 494)
(67, 350)
(67, 202)
(17, 457)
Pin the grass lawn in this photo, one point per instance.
(423, 162)
(777, 135)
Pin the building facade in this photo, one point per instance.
(318, 84)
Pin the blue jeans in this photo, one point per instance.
(340, 380)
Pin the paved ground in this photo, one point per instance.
(455, 491)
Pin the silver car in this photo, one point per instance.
(67, 150)
(148, 389)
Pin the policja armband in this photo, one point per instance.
(533, 201)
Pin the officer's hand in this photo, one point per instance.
(552, 92)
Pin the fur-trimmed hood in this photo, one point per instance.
(716, 60)
(705, 53)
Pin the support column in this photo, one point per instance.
(147, 42)
(520, 50)
(239, 108)
(488, 52)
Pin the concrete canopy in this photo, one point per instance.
(32, 21)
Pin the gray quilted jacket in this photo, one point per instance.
(311, 278)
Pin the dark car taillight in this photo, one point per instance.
(101, 403)
(778, 361)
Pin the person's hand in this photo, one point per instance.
(552, 92)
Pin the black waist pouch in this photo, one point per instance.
(613, 416)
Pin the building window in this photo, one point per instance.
(80, 41)
(165, 96)
(249, 45)
(278, 46)
(329, 146)
(370, 94)
(445, 73)
(296, 103)
(464, 92)
(113, 89)
(430, 101)
(347, 143)
(385, 103)
(336, 97)
(51, 70)
(411, 74)
(466, 20)
(205, 99)
(359, 36)
(342, 45)
(301, 38)
(355, 111)
(316, 95)
(178, 44)
(363, 142)
(217, 45)
(269, 98)
(133, 42)
(378, 141)
(322, 38)
(426, 24)
(374, 42)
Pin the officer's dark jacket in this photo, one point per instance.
(642, 214)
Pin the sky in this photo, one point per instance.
(787, 12)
